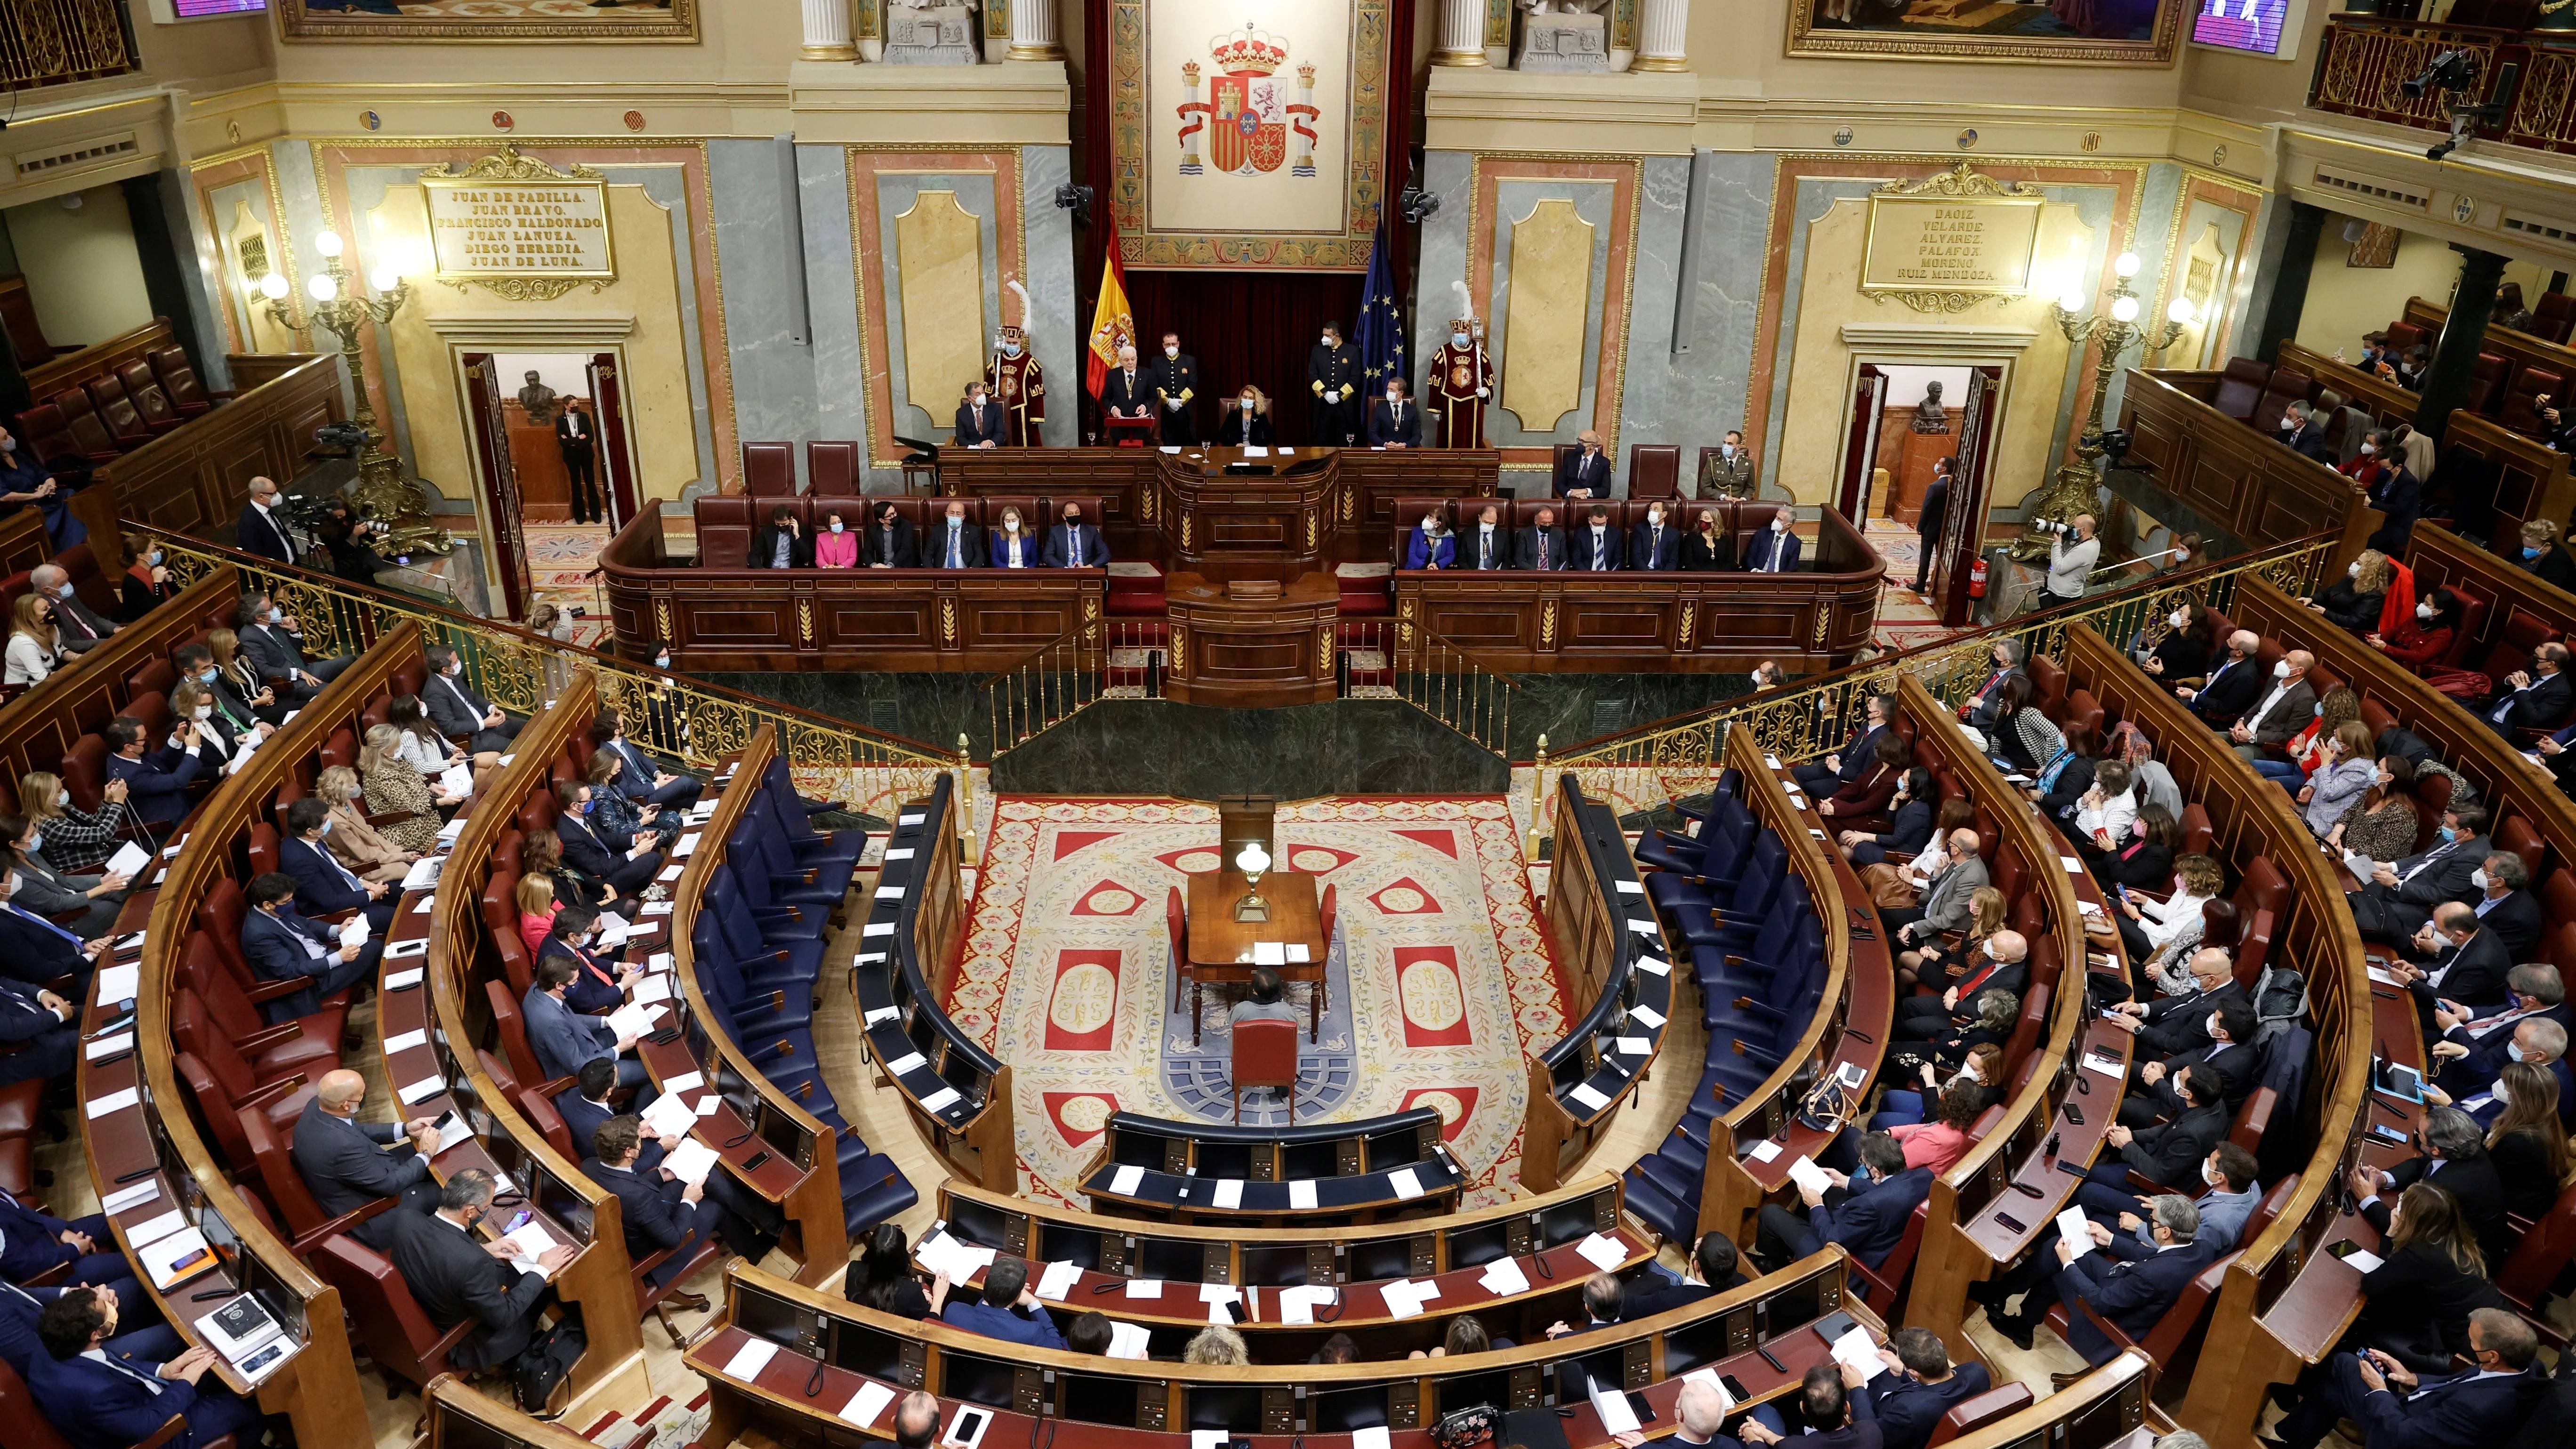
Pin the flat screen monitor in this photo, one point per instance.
(788, 1324)
(1374, 1259)
(1226, 1159)
(1274, 1267)
(282, 1302)
(1701, 1341)
(558, 1200)
(2247, 25)
(1341, 1411)
(984, 1225)
(1136, 1149)
(1091, 1400)
(977, 1380)
(1173, 1260)
(871, 1351)
(1235, 1407)
(1319, 1158)
(455, 1431)
(1570, 1221)
(739, 1092)
(1479, 1245)
(1399, 1148)
(221, 1237)
(1466, 1391)
(785, 1135)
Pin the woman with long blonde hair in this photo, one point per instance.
(35, 646)
(76, 840)
(238, 671)
(1985, 917)
(361, 847)
(393, 787)
(2354, 601)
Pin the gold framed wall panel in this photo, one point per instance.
(869, 265)
(222, 172)
(1930, 42)
(1486, 171)
(503, 22)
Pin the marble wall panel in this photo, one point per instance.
(831, 292)
(773, 371)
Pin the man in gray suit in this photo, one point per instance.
(2279, 712)
(455, 1276)
(563, 1039)
(1945, 900)
(79, 627)
(348, 1164)
(2400, 895)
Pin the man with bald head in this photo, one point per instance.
(347, 1164)
(916, 1420)
(2004, 968)
(2284, 709)
(2233, 682)
(79, 629)
(1126, 392)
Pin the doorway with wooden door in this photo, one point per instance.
(552, 458)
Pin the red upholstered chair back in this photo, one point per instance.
(2179, 1322)
(541, 1114)
(2009, 874)
(264, 840)
(2473, 623)
(28, 1426)
(2516, 835)
(832, 467)
(179, 380)
(499, 1071)
(2034, 1020)
(2254, 1118)
(2528, 382)
(215, 1093)
(1882, 1283)
(1095, 510)
(89, 435)
(2402, 335)
(149, 400)
(1265, 1054)
(2254, 947)
(391, 1323)
(2486, 383)
(1654, 470)
(2241, 386)
(2541, 1255)
(725, 526)
(2197, 832)
(1979, 1411)
(514, 1033)
(1408, 512)
(769, 470)
(2520, 635)
(45, 434)
(1032, 517)
(2282, 389)
(219, 922)
(117, 412)
(277, 1174)
(2263, 888)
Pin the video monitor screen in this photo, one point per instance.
(2248, 25)
(1235, 1407)
(787, 1324)
(1100, 1401)
(1341, 1411)
(864, 1350)
(1479, 1245)
(977, 1380)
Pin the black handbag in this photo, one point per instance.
(1463, 1428)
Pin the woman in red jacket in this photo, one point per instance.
(2421, 642)
(1862, 804)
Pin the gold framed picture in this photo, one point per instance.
(667, 22)
(2061, 32)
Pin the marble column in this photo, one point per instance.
(827, 31)
(1033, 31)
(1462, 33)
(1663, 32)
(2464, 331)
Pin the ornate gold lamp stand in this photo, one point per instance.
(2076, 485)
(385, 494)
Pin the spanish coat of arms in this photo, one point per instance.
(1247, 115)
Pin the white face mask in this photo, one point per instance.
(1169, 351)
(977, 399)
(2181, 557)
(2423, 611)
(662, 661)
(1758, 680)
(956, 520)
(2369, 448)
(205, 711)
(1485, 526)
(2210, 1174)
(1010, 349)
(2212, 1026)
(2281, 670)
(1654, 518)
(2478, 877)
(2352, 571)
(836, 525)
(2180, 618)
(1394, 398)
(63, 801)
(1249, 405)
(1010, 525)
(1779, 525)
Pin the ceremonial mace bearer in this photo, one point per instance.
(1011, 375)
(1461, 379)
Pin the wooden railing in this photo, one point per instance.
(2242, 480)
(2363, 60)
(195, 478)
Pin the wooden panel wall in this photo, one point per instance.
(196, 478)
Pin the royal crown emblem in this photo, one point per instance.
(1247, 115)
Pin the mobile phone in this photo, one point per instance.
(1637, 1405)
(2011, 1223)
(2344, 1249)
(1833, 1326)
(192, 1260)
(522, 1220)
(967, 1429)
(2386, 1133)
(1734, 1388)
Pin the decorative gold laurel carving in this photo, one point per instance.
(1310, 530)
(1938, 301)
(1689, 625)
(948, 621)
(1963, 179)
(1185, 529)
(508, 164)
(805, 621)
(1324, 650)
(662, 618)
(1180, 649)
(1547, 625)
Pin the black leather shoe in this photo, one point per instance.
(689, 1302)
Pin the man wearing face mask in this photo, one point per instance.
(1774, 550)
(979, 422)
(2229, 1061)
(2282, 711)
(2072, 553)
(2400, 896)
(1655, 546)
(274, 640)
(1585, 473)
(1246, 421)
(780, 543)
(2475, 1043)
(954, 543)
(1597, 546)
(1488, 545)
(1927, 527)
(1175, 378)
(1461, 380)
(2453, 1158)
(599, 985)
(1394, 422)
(1541, 545)
(1018, 387)
(1075, 543)
(1333, 375)
(458, 711)
(262, 528)
(2468, 965)
(323, 886)
(1728, 471)
(456, 1277)
(2231, 687)
(2537, 698)
(890, 544)
(282, 945)
(79, 628)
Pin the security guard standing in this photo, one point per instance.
(1333, 373)
(1175, 379)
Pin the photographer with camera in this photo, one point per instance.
(2071, 556)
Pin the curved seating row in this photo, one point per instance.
(1610, 948)
(1307, 1173)
(959, 1094)
(755, 906)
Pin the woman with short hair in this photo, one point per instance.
(393, 787)
(361, 847)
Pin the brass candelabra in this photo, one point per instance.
(387, 495)
(2078, 484)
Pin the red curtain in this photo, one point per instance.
(1245, 325)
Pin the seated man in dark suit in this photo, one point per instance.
(460, 713)
(889, 542)
(599, 981)
(2170, 1155)
(456, 1276)
(954, 543)
(2126, 1281)
(2230, 1056)
(156, 783)
(643, 780)
(2235, 681)
(2471, 1046)
(627, 862)
(35, 951)
(564, 1040)
(1541, 546)
(1866, 1218)
(2400, 895)
(1713, 1270)
(2172, 1025)
(140, 1333)
(1605, 1302)
(780, 543)
(33, 1241)
(1774, 550)
(2537, 698)
(99, 1400)
(2469, 964)
(2455, 1160)
(274, 640)
(45, 1029)
(1907, 1404)
(2506, 909)
(979, 423)
(323, 886)
(282, 945)
(1598, 547)
(2481, 1404)
(1009, 1310)
(1585, 473)
(1854, 761)
(584, 1106)
(1488, 545)
(347, 1164)
(1395, 422)
(659, 1211)
(79, 628)
(2301, 433)
(1825, 1406)
(1074, 544)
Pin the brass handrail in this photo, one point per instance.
(1641, 768)
(53, 42)
(669, 714)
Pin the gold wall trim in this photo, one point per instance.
(296, 22)
(869, 271)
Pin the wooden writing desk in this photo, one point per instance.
(1220, 947)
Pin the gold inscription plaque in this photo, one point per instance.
(519, 226)
(1959, 234)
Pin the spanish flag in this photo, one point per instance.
(1112, 324)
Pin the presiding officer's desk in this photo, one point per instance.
(1315, 1173)
(810, 1355)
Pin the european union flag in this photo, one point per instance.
(1381, 334)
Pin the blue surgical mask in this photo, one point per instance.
(2530, 552)
(205, 676)
(836, 525)
(1457, 339)
(2446, 835)
(153, 558)
(589, 805)
(65, 591)
(37, 842)
(2513, 1050)
(276, 615)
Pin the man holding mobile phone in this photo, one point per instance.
(2479, 1404)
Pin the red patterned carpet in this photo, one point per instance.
(1440, 982)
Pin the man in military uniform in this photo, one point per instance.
(1175, 379)
(1730, 471)
(1462, 378)
(1011, 375)
(1333, 372)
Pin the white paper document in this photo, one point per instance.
(1406, 1185)
(905, 853)
(132, 1197)
(152, 1230)
(1612, 1406)
(680, 848)
(651, 989)
(1298, 1305)
(1602, 1252)
(1503, 1277)
(669, 1116)
(2074, 1230)
(1629, 887)
(1269, 953)
(1806, 1174)
(412, 949)
(180, 1255)
(1402, 1297)
(1637, 1046)
(1144, 1290)
(915, 818)
(2093, 1063)
(889, 893)
(118, 983)
(421, 1091)
(1647, 1015)
(867, 1403)
(941, 1100)
(1125, 1180)
(113, 1102)
(1653, 966)
(1642, 928)
(1058, 1280)
(1859, 1350)
(750, 1359)
(423, 874)
(671, 873)
(1373, 1437)
(911, 1060)
(2073, 865)
(1130, 1340)
(1587, 1097)
(2361, 1261)
(1764, 1150)
(533, 1243)
(1297, 953)
(1301, 1194)
(691, 1161)
(685, 1082)
(396, 981)
(1229, 1193)
(406, 1041)
(634, 1020)
(108, 1046)
(707, 1105)
(129, 860)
